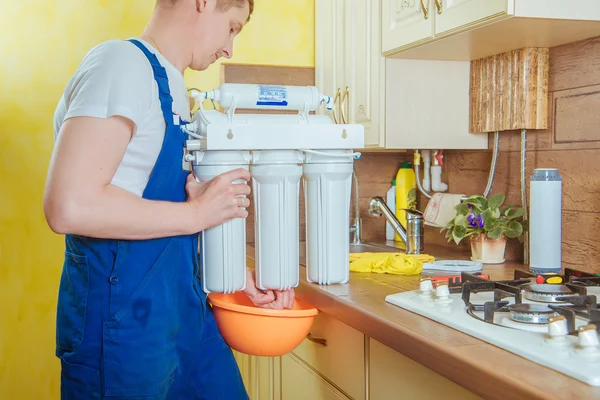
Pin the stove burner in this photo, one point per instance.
(530, 313)
(546, 293)
(570, 299)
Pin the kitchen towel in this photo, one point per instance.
(440, 209)
(389, 263)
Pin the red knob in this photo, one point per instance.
(540, 279)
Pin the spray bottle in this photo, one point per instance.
(406, 193)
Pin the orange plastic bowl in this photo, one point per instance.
(261, 331)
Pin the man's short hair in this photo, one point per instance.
(223, 5)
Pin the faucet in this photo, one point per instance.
(412, 237)
(356, 228)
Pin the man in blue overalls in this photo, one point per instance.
(132, 320)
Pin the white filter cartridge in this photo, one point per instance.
(276, 189)
(545, 222)
(223, 247)
(327, 191)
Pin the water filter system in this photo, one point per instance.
(545, 221)
(281, 151)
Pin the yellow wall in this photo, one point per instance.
(41, 44)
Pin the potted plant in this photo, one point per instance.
(487, 226)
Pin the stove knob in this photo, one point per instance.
(426, 286)
(557, 326)
(557, 330)
(442, 292)
(588, 337)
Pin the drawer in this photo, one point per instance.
(342, 360)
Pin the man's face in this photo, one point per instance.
(214, 33)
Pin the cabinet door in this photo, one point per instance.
(342, 360)
(364, 93)
(261, 376)
(405, 22)
(394, 376)
(299, 382)
(461, 13)
(330, 50)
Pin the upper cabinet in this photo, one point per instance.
(455, 14)
(349, 64)
(464, 30)
(404, 23)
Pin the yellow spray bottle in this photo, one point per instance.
(406, 193)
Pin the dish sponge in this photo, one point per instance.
(389, 263)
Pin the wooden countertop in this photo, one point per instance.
(485, 369)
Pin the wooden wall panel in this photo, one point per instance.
(574, 65)
(510, 91)
(577, 117)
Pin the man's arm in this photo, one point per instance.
(80, 198)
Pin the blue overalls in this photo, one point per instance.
(132, 320)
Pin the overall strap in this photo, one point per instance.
(162, 80)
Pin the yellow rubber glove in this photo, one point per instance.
(389, 263)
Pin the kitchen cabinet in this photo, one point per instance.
(329, 364)
(455, 14)
(337, 362)
(464, 30)
(427, 106)
(401, 105)
(336, 352)
(349, 64)
(394, 376)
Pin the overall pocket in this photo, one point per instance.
(72, 302)
(140, 352)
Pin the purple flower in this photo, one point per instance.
(475, 222)
(479, 221)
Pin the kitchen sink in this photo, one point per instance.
(372, 248)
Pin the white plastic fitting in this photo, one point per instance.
(436, 173)
(426, 170)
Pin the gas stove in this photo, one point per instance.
(553, 320)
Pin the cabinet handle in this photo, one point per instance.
(425, 10)
(337, 96)
(438, 5)
(317, 340)
(346, 95)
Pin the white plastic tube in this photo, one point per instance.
(427, 170)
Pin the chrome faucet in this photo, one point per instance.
(412, 237)
(356, 228)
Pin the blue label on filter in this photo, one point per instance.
(272, 96)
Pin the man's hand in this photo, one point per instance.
(275, 299)
(220, 199)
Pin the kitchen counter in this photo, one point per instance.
(484, 369)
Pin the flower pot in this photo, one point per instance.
(486, 250)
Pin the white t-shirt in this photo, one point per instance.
(115, 79)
